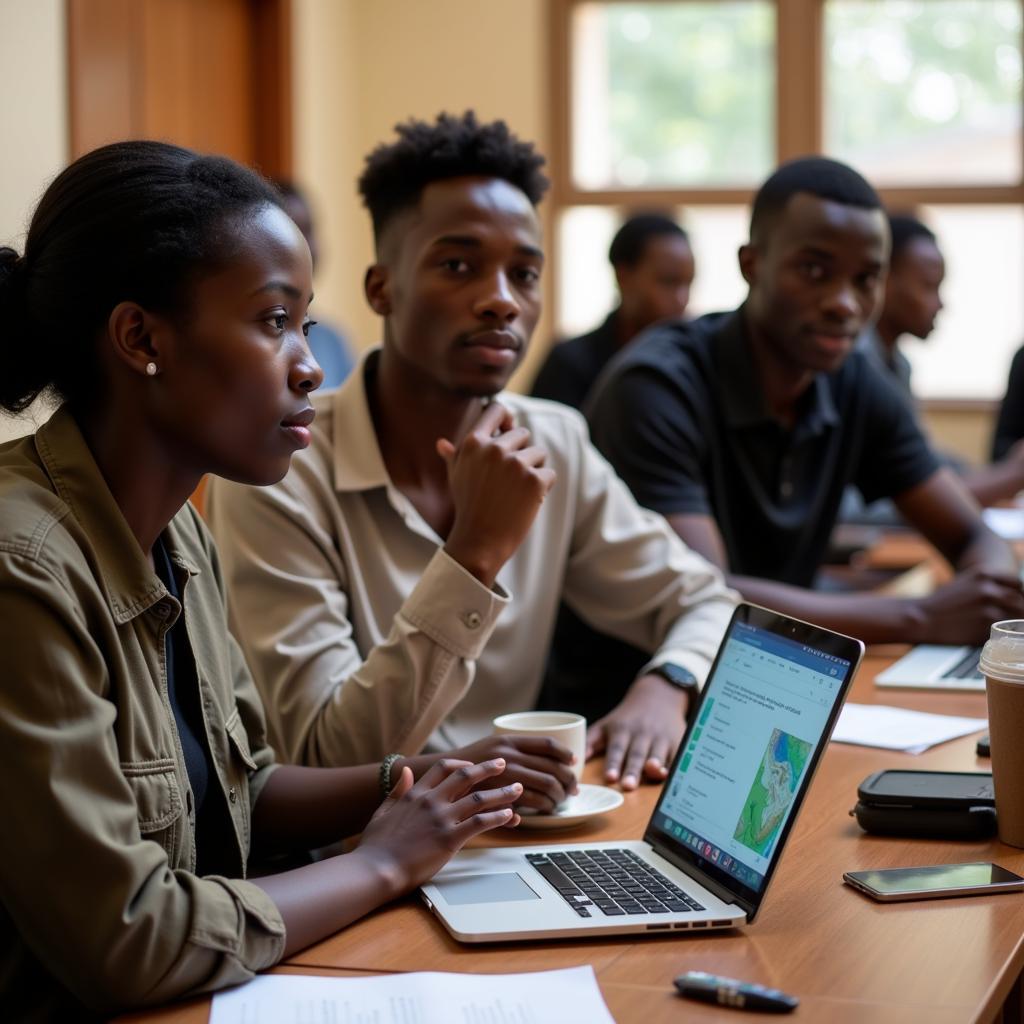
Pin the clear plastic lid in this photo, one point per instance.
(1003, 655)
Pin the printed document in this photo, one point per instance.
(542, 997)
(876, 725)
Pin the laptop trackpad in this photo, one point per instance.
(503, 888)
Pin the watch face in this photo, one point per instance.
(677, 676)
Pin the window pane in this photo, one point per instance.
(586, 284)
(982, 325)
(925, 91)
(673, 94)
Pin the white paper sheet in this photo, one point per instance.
(543, 997)
(877, 725)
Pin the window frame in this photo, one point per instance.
(799, 128)
(799, 111)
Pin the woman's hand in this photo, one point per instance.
(420, 825)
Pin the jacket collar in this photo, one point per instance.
(129, 582)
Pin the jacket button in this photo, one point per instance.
(472, 619)
(232, 794)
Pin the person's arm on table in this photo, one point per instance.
(959, 612)
(409, 839)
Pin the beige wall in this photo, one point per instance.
(362, 66)
(966, 432)
(33, 121)
(326, 103)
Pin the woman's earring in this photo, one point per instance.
(151, 369)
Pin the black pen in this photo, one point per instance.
(740, 995)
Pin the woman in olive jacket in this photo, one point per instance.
(162, 298)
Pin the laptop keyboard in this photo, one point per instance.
(615, 882)
(967, 667)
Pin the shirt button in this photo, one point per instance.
(232, 794)
(162, 611)
(472, 620)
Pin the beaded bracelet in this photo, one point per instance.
(384, 775)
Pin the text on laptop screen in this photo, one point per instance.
(762, 718)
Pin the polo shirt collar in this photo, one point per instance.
(743, 401)
(129, 583)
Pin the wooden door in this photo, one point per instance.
(214, 75)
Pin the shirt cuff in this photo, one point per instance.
(453, 608)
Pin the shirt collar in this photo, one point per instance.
(358, 463)
(740, 390)
(128, 580)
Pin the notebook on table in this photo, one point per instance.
(719, 827)
(935, 667)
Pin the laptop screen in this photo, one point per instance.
(743, 767)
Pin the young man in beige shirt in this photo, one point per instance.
(384, 592)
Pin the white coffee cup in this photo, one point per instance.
(567, 728)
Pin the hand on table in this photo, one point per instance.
(640, 736)
(539, 764)
(420, 825)
(962, 611)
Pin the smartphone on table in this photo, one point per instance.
(934, 881)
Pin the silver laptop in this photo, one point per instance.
(719, 827)
(935, 667)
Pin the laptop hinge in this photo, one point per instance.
(709, 883)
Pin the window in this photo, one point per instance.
(687, 106)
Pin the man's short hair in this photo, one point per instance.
(396, 173)
(816, 175)
(905, 227)
(627, 248)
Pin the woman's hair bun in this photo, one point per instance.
(22, 378)
(10, 261)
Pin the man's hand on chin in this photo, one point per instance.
(640, 736)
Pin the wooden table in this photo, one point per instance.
(847, 958)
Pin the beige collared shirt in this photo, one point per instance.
(365, 637)
(100, 905)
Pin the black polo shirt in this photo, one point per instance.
(572, 366)
(1010, 423)
(681, 416)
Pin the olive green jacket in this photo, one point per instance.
(100, 906)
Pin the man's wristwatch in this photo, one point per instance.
(678, 676)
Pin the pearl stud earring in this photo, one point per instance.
(151, 369)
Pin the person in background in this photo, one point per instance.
(326, 342)
(912, 302)
(398, 589)
(1009, 432)
(654, 270)
(163, 297)
(745, 428)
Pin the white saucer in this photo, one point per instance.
(589, 802)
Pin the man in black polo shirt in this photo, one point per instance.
(744, 428)
(654, 270)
